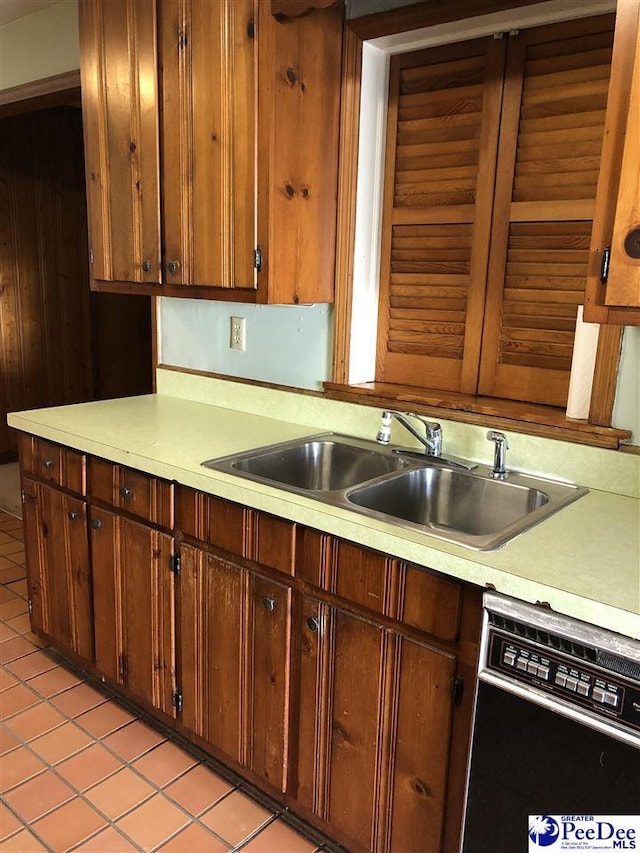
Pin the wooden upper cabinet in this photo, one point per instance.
(119, 62)
(209, 65)
(613, 295)
(211, 134)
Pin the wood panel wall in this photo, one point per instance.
(45, 347)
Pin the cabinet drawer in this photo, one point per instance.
(214, 521)
(364, 577)
(273, 542)
(140, 494)
(430, 603)
(53, 463)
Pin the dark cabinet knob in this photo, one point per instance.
(96, 524)
(71, 515)
(47, 463)
(632, 243)
(173, 266)
(269, 604)
(312, 623)
(146, 266)
(125, 491)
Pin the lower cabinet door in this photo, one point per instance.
(212, 592)
(235, 636)
(268, 633)
(374, 712)
(133, 594)
(340, 720)
(58, 570)
(419, 735)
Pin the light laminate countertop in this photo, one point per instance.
(584, 561)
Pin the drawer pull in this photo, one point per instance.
(312, 623)
(71, 515)
(96, 524)
(269, 604)
(125, 491)
(47, 463)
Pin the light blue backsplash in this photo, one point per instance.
(286, 344)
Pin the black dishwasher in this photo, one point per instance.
(555, 760)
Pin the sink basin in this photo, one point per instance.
(322, 464)
(415, 492)
(460, 505)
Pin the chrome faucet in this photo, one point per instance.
(499, 471)
(431, 440)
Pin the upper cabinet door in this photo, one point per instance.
(300, 63)
(208, 135)
(120, 114)
(613, 287)
(211, 137)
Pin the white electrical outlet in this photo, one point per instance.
(238, 333)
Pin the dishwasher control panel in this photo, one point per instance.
(605, 693)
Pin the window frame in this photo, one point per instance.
(393, 27)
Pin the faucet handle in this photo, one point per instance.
(432, 427)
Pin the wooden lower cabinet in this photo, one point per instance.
(375, 710)
(133, 595)
(235, 628)
(58, 567)
(337, 679)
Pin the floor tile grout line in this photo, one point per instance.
(125, 764)
(158, 790)
(255, 833)
(129, 764)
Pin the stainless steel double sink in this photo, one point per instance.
(405, 488)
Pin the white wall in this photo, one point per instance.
(41, 45)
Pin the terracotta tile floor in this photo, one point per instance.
(80, 772)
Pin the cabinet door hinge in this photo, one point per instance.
(91, 256)
(176, 700)
(30, 606)
(457, 690)
(604, 266)
(257, 259)
(174, 564)
(22, 495)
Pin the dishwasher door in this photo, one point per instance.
(556, 732)
(528, 760)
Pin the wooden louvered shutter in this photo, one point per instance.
(442, 137)
(555, 96)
